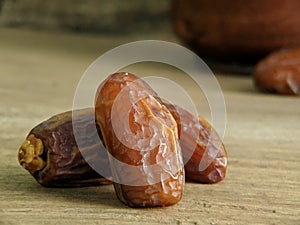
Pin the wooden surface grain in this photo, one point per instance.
(39, 73)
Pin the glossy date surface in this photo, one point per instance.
(141, 136)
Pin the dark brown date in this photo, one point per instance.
(194, 135)
(50, 152)
(279, 72)
(141, 136)
(203, 152)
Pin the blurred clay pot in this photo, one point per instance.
(237, 29)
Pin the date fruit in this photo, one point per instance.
(194, 136)
(141, 137)
(203, 152)
(50, 152)
(279, 72)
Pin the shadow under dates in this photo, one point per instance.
(103, 195)
(28, 190)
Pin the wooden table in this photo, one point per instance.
(39, 73)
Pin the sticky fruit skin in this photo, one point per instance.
(141, 133)
(50, 152)
(198, 140)
(204, 154)
(51, 155)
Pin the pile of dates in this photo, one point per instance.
(147, 147)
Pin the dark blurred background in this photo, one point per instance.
(231, 35)
(94, 16)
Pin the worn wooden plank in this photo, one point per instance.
(39, 73)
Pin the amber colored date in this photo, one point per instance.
(203, 152)
(198, 141)
(50, 152)
(141, 133)
(279, 72)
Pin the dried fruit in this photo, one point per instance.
(142, 138)
(203, 152)
(194, 136)
(279, 72)
(50, 152)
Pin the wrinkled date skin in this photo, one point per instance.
(194, 136)
(141, 136)
(279, 72)
(204, 154)
(51, 155)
